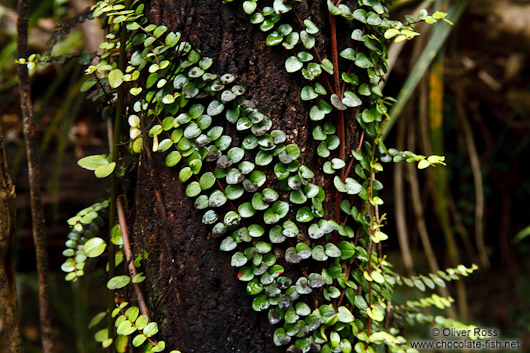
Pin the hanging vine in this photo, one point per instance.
(256, 194)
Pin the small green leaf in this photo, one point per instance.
(160, 346)
(193, 189)
(348, 53)
(347, 249)
(159, 31)
(260, 303)
(172, 39)
(293, 64)
(345, 315)
(362, 61)
(207, 180)
(351, 99)
(281, 208)
(318, 253)
(94, 247)
(274, 38)
(139, 340)
(280, 337)
(125, 328)
(332, 250)
(302, 309)
(97, 319)
(238, 259)
(423, 164)
(285, 29)
(173, 158)
(270, 217)
(105, 170)
(304, 215)
(138, 278)
(280, 7)
(118, 282)
(132, 313)
(93, 162)
(246, 210)
(249, 7)
(307, 40)
(337, 103)
(115, 78)
(151, 329)
(263, 247)
(311, 28)
(308, 93)
(233, 192)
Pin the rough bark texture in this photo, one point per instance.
(8, 291)
(194, 293)
(37, 214)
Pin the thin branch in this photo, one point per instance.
(399, 195)
(32, 151)
(412, 178)
(129, 259)
(479, 188)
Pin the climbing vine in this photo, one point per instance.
(267, 206)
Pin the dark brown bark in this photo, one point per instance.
(193, 291)
(8, 291)
(37, 215)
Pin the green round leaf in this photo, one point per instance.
(93, 162)
(151, 329)
(115, 78)
(246, 210)
(207, 180)
(173, 158)
(193, 189)
(293, 64)
(94, 247)
(139, 340)
(118, 282)
(238, 259)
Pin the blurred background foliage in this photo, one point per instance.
(467, 98)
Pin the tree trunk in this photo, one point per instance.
(8, 291)
(193, 291)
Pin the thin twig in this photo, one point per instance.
(32, 151)
(399, 195)
(412, 178)
(479, 188)
(129, 259)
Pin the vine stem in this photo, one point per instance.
(120, 104)
(129, 259)
(37, 213)
(335, 58)
(373, 213)
(340, 129)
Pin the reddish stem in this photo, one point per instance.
(340, 129)
(128, 259)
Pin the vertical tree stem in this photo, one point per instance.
(8, 291)
(32, 152)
